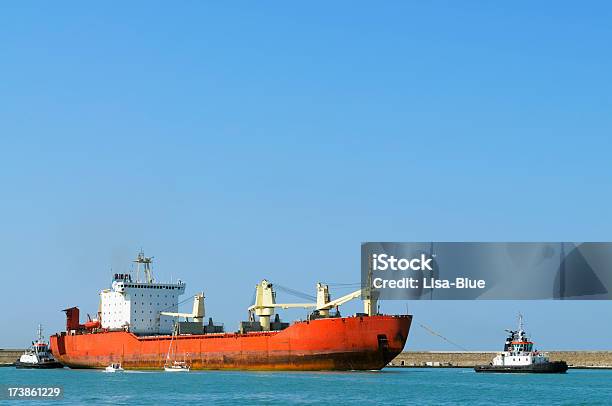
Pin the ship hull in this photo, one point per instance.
(556, 367)
(347, 343)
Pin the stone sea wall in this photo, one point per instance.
(575, 359)
(9, 356)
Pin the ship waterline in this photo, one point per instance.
(360, 342)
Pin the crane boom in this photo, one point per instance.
(198, 309)
(340, 300)
(283, 305)
(265, 302)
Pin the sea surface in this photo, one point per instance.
(390, 386)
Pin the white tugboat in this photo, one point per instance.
(38, 355)
(519, 356)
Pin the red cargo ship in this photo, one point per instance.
(138, 323)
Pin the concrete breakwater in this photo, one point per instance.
(468, 359)
(9, 356)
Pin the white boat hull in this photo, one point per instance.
(170, 369)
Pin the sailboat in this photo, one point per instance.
(172, 365)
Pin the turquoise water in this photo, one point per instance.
(391, 386)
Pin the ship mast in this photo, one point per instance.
(146, 261)
(170, 348)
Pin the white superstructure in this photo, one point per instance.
(136, 306)
(518, 350)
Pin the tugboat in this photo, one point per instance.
(38, 355)
(519, 356)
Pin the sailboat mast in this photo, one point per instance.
(170, 347)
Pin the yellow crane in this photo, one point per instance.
(265, 302)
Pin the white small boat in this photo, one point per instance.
(177, 366)
(114, 368)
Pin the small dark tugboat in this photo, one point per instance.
(38, 355)
(519, 356)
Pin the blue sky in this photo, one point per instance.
(236, 142)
